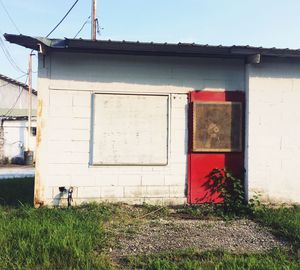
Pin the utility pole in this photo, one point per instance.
(28, 154)
(29, 99)
(94, 21)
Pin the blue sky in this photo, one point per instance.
(268, 23)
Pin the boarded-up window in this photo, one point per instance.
(130, 129)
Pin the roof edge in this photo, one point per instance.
(146, 48)
(17, 83)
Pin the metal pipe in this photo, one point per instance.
(94, 21)
(29, 100)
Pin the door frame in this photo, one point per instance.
(210, 95)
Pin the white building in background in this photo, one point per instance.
(146, 122)
(13, 119)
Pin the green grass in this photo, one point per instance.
(16, 191)
(80, 237)
(54, 238)
(283, 221)
(214, 260)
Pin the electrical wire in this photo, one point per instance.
(9, 57)
(98, 27)
(7, 83)
(13, 106)
(62, 18)
(12, 142)
(11, 60)
(10, 18)
(82, 26)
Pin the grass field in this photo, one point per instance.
(218, 260)
(79, 238)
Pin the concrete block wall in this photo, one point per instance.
(66, 83)
(14, 140)
(117, 73)
(2, 156)
(273, 130)
(9, 93)
(68, 157)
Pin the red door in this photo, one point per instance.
(216, 140)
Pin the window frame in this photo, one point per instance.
(92, 131)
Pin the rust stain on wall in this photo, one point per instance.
(38, 202)
(37, 190)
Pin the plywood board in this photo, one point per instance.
(217, 126)
(130, 129)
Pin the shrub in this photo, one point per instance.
(231, 191)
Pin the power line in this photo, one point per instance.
(9, 57)
(98, 27)
(10, 18)
(62, 18)
(82, 26)
(13, 106)
(7, 83)
(6, 51)
(15, 103)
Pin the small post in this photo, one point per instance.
(94, 21)
(28, 154)
(29, 99)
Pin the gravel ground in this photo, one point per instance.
(167, 235)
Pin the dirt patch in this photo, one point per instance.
(152, 236)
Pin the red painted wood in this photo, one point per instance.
(201, 164)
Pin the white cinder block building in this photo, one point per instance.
(146, 122)
(13, 119)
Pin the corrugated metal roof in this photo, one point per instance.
(16, 118)
(147, 48)
(15, 82)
